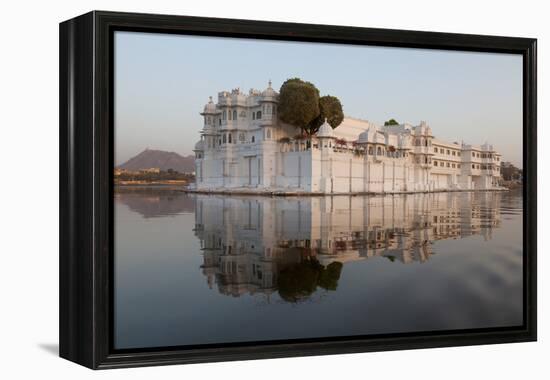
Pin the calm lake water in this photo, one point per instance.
(204, 269)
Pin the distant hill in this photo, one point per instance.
(151, 158)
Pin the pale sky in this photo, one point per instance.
(163, 81)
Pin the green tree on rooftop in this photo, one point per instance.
(301, 105)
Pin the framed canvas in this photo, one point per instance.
(373, 189)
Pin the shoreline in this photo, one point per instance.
(319, 194)
(151, 184)
(284, 193)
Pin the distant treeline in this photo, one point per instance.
(511, 173)
(152, 176)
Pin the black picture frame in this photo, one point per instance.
(86, 186)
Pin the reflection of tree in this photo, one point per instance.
(298, 281)
(330, 275)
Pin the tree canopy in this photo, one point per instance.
(299, 281)
(391, 122)
(330, 109)
(298, 103)
(301, 105)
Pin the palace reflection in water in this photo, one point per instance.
(348, 262)
(249, 243)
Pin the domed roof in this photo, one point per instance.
(325, 130)
(363, 137)
(269, 91)
(369, 135)
(210, 107)
(199, 145)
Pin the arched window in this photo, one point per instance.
(229, 138)
(370, 151)
(378, 151)
(219, 121)
(426, 142)
(229, 115)
(259, 115)
(234, 114)
(252, 139)
(224, 138)
(224, 114)
(268, 133)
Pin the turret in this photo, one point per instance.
(325, 134)
(372, 141)
(268, 102)
(211, 115)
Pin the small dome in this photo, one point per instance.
(210, 107)
(369, 135)
(325, 130)
(199, 146)
(363, 137)
(269, 92)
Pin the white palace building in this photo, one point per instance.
(244, 147)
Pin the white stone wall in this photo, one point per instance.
(313, 170)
